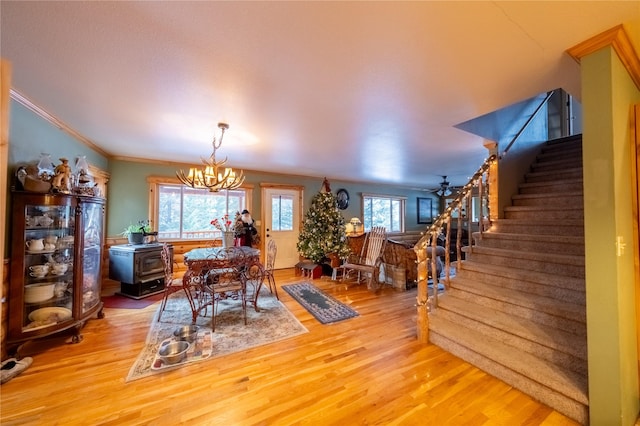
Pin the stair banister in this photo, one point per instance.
(423, 301)
(526, 124)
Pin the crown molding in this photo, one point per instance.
(31, 106)
(618, 39)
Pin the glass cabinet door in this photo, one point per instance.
(48, 265)
(92, 254)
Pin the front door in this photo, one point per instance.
(281, 205)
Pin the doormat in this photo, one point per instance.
(122, 302)
(273, 323)
(322, 306)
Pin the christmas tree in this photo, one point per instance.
(323, 230)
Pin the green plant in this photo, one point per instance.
(139, 228)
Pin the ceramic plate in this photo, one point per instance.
(40, 251)
(44, 313)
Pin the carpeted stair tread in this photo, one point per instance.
(539, 278)
(566, 382)
(566, 227)
(558, 163)
(531, 301)
(549, 212)
(545, 184)
(563, 142)
(548, 195)
(536, 222)
(551, 155)
(570, 173)
(538, 209)
(529, 284)
(571, 239)
(562, 259)
(552, 186)
(558, 340)
(573, 245)
(554, 399)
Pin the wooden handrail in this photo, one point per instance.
(526, 124)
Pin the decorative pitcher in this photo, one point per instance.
(36, 245)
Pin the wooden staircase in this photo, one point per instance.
(516, 307)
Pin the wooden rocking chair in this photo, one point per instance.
(370, 258)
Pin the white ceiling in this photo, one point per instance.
(357, 91)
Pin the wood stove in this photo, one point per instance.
(138, 267)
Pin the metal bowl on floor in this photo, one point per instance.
(174, 352)
(187, 333)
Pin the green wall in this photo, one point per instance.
(607, 97)
(128, 198)
(29, 135)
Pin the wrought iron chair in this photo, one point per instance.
(226, 281)
(171, 284)
(370, 258)
(272, 250)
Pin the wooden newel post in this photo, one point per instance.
(423, 294)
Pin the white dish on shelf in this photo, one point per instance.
(57, 312)
(36, 293)
(40, 251)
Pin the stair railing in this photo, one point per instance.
(529, 120)
(462, 205)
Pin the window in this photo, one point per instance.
(381, 210)
(281, 213)
(186, 213)
(475, 209)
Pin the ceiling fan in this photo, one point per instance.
(444, 190)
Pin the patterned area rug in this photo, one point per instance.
(274, 322)
(322, 306)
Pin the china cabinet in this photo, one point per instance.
(56, 255)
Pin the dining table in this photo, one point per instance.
(200, 261)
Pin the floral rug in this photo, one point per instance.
(322, 306)
(274, 322)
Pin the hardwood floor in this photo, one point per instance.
(368, 370)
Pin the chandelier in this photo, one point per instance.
(210, 175)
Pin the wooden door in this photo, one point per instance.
(281, 209)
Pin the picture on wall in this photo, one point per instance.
(424, 210)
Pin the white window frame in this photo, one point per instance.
(402, 214)
(154, 194)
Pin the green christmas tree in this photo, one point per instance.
(323, 230)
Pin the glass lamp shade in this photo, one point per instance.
(45, 165)
(82, 165)
(82, 169)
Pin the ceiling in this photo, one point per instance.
(355, 91)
